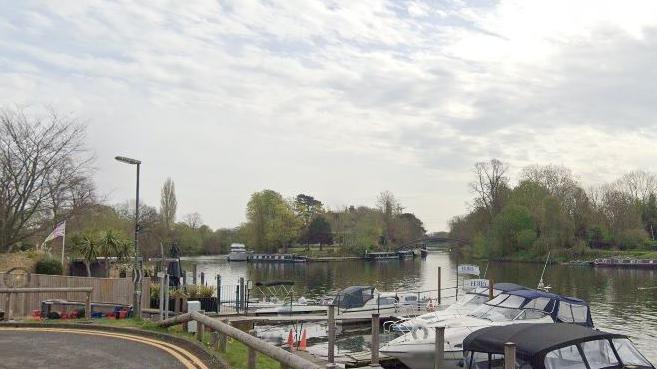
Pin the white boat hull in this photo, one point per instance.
(423, 358)
(238, 256)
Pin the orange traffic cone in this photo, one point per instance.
(290, 340)
(303, 344)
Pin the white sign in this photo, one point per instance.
(468, 269)
(475, 283)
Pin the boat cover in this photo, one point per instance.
(533, 341)
(274, 283)
(555, 304)
(354, 296)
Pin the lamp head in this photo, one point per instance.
(128, 160)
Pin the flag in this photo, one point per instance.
(59, 231)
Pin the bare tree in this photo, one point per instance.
(391, 208)
(193, 220)
(168, 204)
(44, 173)
(490, 185)
(637, 184)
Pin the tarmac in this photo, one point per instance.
(41, 348)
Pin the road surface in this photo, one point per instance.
(41, 348)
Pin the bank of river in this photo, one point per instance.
(616, 302)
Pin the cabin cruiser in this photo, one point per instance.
(464, 305)
(416, 348)
(238, 252)
(551, 346)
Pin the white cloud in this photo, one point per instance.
(341, 99)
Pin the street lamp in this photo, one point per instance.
(137, 267)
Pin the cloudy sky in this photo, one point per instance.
(338, 99)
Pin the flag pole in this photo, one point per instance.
(63, 245)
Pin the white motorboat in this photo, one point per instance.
(416, 348)
(238, 252)
(363, 301)
(463, 306)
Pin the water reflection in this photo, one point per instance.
(616, 302)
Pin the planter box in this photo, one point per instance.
(207, 303)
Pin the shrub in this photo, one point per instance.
(49, 266)
(633, 239)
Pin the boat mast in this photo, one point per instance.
(541, 285)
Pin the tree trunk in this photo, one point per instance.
(88, 266)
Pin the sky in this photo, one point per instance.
(338, 99)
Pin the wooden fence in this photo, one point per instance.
(109, 290)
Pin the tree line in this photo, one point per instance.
(46, 177)
(549, 209)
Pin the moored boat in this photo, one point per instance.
(625, 262)
(551, 346)
(416, 349)
(238, 252)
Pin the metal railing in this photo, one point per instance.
(254, 344)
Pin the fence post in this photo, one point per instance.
(194, 276)
(251, 360)
(218, 293)
(237, 299)
(161, 294)
(214, 339)
(242, 294)
(439, 287)
(375, 340)
(439, 354)
(490, 289)
(200, 329)
(331, 334)
(509, 355)
(202, 279)
(183, 309)
(223, 340)
(87, 306)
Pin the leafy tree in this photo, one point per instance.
(507, 226)
(306, 209)
(490, 186)
(168, 204)
(271, 223)
(319, 231)
(649, 216)
(112, 244)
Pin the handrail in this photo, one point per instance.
(285, 358)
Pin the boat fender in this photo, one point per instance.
(424, 330)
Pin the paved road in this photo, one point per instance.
(41, 348)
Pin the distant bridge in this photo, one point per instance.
(433, 239)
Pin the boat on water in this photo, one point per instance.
(416, 349)
(464, 305)
(277, 258)
(625, 263)
(238, 252)
(382, 255)
(551, 346)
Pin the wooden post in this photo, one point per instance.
(194, 276)
(439, 355)
(439, 287)
(509, 355)
(200, 329)
(166, 296)
(214, 339)
(183, 309)
(331, 334)
(253, 354)
(7, 306)
(375, 340)
(202, 279)
(87, 306)
(223, 340)
(490, 289)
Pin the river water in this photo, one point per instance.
(617, 302)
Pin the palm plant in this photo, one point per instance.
(110, 245)
(87, 247)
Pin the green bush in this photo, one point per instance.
(49, 266)
(633, 239)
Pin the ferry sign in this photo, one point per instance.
(475, 283)
(469, 269)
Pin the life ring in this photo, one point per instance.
(423, 329)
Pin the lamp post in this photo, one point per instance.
(137, 267)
